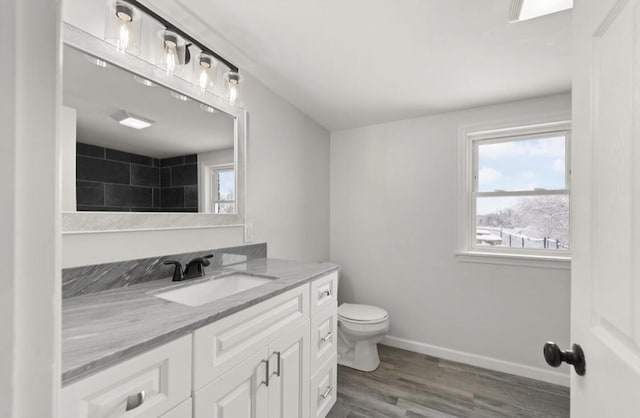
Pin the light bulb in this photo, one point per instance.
(170, 55)
(233, 85)
(170, 58)
(123, 38)
(206, 67)
(233, 94)
(204, 80)
(124, 13)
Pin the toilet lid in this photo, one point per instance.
(361, 313)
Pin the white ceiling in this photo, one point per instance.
(180, 128)
(359, 62)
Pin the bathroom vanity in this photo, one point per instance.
(254, 337)
(268, 351)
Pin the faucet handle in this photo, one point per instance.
(177, 272)
(203, 261)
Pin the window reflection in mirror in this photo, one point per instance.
(140, 147)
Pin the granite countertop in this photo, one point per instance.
(101, 329)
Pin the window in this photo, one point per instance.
(517, 191)
(224, 189)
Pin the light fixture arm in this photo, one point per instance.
(169, 26)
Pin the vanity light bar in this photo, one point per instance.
(173, 28)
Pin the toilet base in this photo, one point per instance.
(362, 356)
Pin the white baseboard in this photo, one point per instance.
(503, 366)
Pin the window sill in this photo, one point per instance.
(562, 262)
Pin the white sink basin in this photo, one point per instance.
(205, 292)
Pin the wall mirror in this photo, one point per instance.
(142, 150)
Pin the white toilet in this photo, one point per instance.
(360, 329)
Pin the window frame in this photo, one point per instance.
(470, 139)
(213, 178)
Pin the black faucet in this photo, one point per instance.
(177, 271)
(193, 269)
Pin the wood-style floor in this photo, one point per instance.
(414, 385)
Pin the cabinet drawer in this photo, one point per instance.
(324, 388)
(324, 337)
(222, 345)
(184, 410)
(324, 292)
(163, 374)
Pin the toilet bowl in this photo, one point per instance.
(360, 329)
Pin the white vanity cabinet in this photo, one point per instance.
(291, 338)
(255, 363)
(275, 359)
(267, 384)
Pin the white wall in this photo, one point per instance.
(30, 212)
(393, 231)
(288, 177)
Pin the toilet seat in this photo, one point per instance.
(361, 314)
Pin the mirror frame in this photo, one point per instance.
(92, 222)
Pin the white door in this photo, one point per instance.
(239, 393)
(288, 386)
(606, 207)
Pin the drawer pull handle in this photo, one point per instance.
(325, 293)
(267, 375)
(134, 401)
(326, 337)
(326, 393)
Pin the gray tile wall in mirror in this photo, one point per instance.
(113, 180)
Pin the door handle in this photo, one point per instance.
(554, 357)
(266, 374)
(326, 337)
(278, 358)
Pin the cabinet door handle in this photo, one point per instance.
(134, 401)
(278, 355)
(326, 393)
(266, 382)
(326, 337)
(325, 293)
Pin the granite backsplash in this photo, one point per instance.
(83, 280)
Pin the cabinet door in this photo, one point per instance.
(222, 345)
(288, 386)
(239, 393)
(181, 411)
